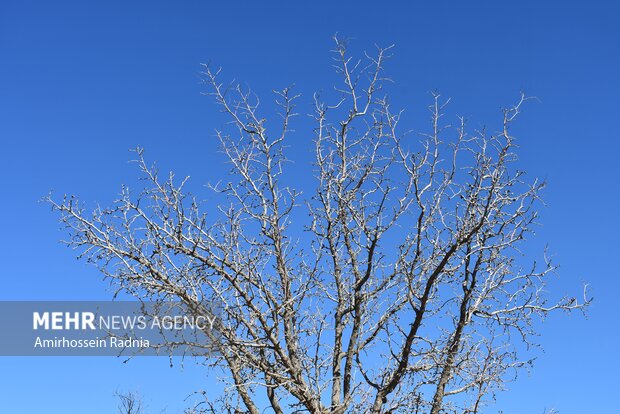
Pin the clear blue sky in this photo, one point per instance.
(82, 82)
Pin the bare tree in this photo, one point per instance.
(405, 292)
(129, 403)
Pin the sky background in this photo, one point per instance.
(83, 82)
